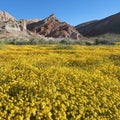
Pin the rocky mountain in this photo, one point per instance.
(9, 23)
(52, 27)
(84, 28)
(110, 24)
(11, 29)
(48, 27)
(4, 16)
(29, 21)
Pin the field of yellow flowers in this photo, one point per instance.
(58, 82)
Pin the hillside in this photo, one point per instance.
(52, 27)
(109, 24)
(5, 16)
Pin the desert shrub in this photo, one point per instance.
(88, 43)
(104, 42)
(4, 41)
(116, 43)
(67, 41)
(67, 47)
(96, 42)
(53, 42)
(21, 42)
(79, 42)
(41, 41)
(33, 41)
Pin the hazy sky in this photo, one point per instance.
(71, 11)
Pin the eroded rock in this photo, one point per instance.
(52, 27)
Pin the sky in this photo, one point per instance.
(73, 12)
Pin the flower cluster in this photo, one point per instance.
(46, 83)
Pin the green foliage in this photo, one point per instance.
(62, 46)
(107, 39)
(104, 42)
(88, 43)
(116, 43)
(66, 41)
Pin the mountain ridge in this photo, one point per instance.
(110, 24)
(48, 27)
(5, 16)
(52, 27)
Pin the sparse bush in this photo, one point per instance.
(67, 41)
(3, 41)
(104, 42)
(98, 40)
(60, 46)
(21, 42)
(42, 41)
(116, 43)
(88, 43)
(79, 42)
(53, 42)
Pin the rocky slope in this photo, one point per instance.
(29, 21)
(10, 28)
(52, 27)
(9, 23)
(110, 24)
(84, 28)
(49, 27)
(4, 16)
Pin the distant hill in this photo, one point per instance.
(84, 28)
(110, 24)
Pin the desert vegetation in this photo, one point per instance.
(59, 82)
(106, 39)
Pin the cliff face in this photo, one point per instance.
(13, 25)
(52, 27)
(9, 23)
(110, 24)
(10, 27)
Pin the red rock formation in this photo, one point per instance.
(52, 27)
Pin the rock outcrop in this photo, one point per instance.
(110, 24)
(52, 27)
(29, 21)
(4, 16)
(9, 23)
(13, 25)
